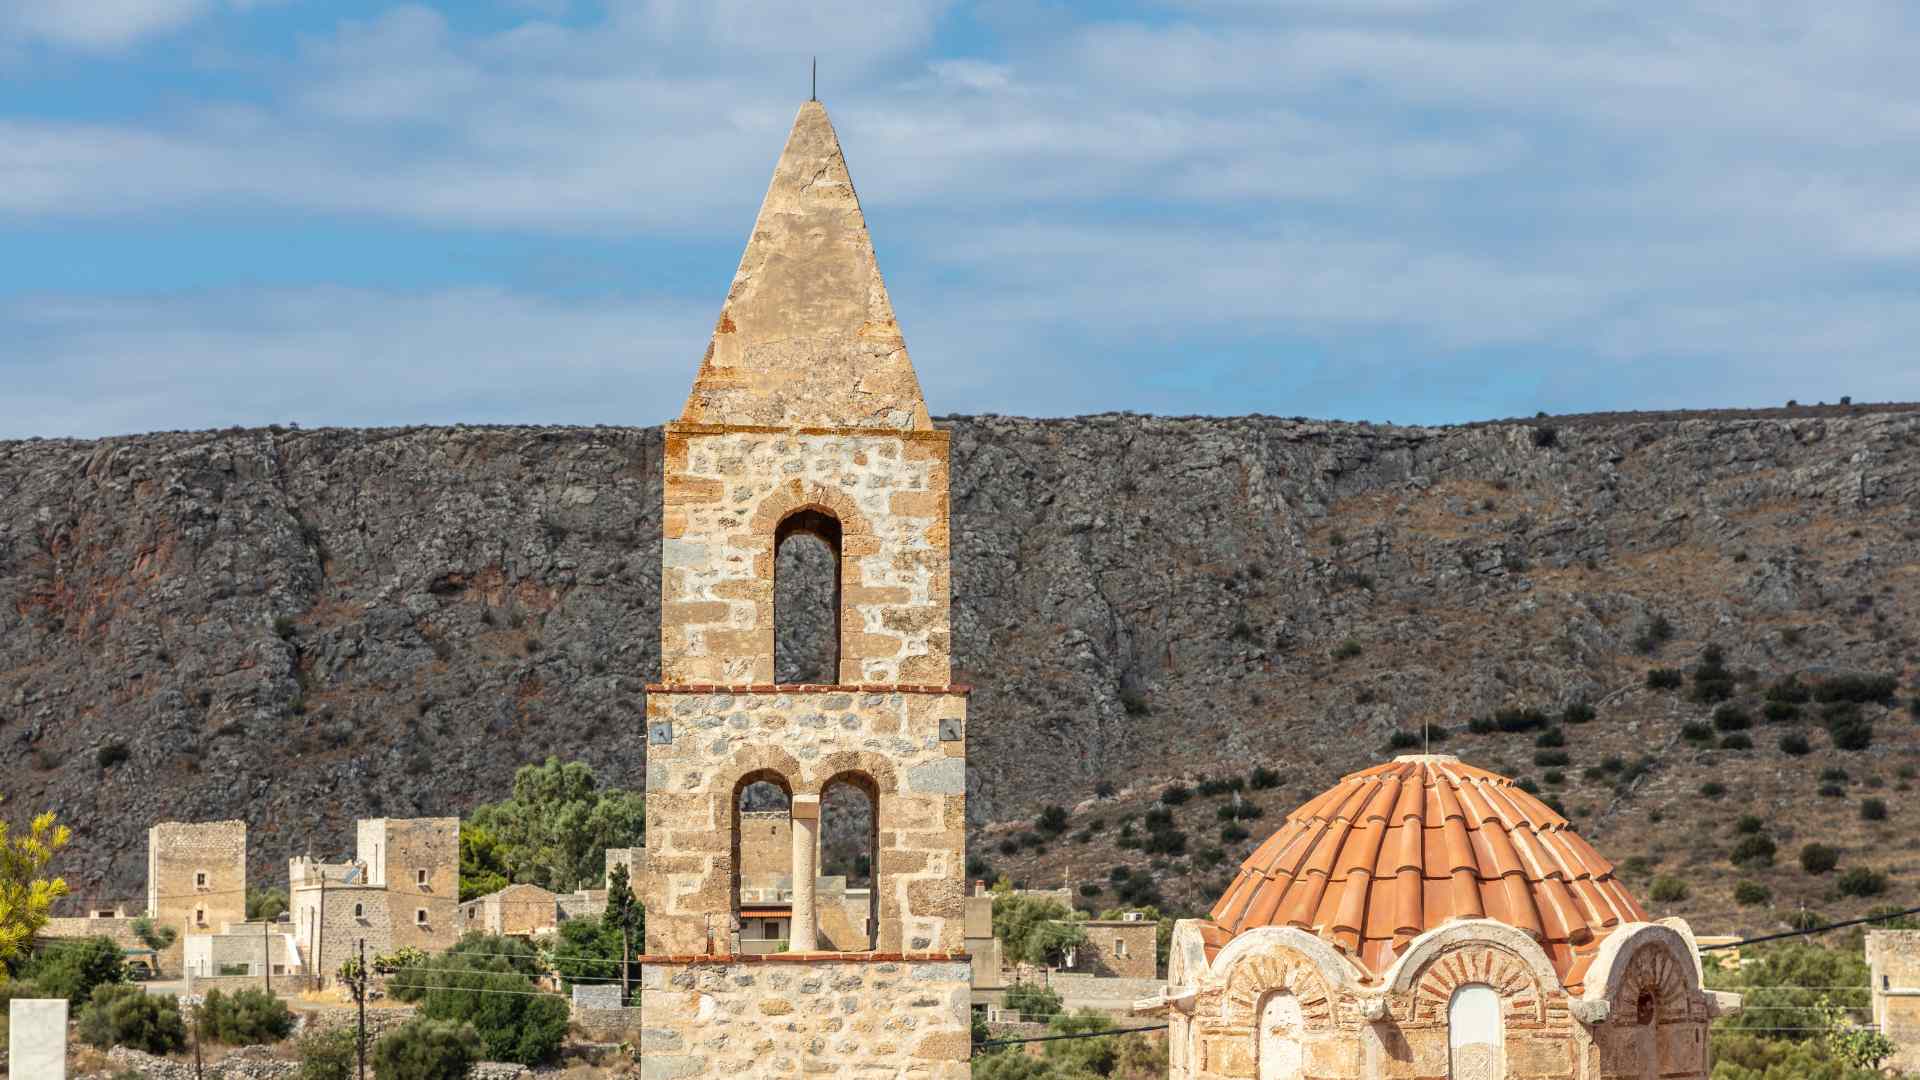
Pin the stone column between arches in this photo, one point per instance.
(806, 870)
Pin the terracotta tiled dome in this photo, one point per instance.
(1393, 851)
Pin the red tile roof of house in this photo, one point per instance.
(1393, 851)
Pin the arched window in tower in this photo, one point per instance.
(850, 851)
(806, 598)
(762, 863)
(1475, 1035)
(1280, 1021)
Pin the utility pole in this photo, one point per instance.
(320, 935)
(360, 995)
(198, 1071)
(266, 957)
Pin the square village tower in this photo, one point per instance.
(806, 417)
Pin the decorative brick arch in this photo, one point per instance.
(1652, 974)
(1275, 967)
(875, 766)
(1510, 976)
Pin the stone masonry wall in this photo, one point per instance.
(704, 747)
(178, 852)
(769, 1017)
(406, 847)
(1893, 957)
(1118, 949)
(766, 850)
(727, 490)
(337, 930)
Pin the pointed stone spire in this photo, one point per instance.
(807, 337)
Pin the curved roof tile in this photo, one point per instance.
(1398, 849)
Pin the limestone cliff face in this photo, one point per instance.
(302, 627)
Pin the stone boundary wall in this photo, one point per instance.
(613, 1025)
(380, 1019)
(871, 1018)
(1102, 992)
(227, 984)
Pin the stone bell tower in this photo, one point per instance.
(806, 417)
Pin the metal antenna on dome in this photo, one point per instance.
(813, 91)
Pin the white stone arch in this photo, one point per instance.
(1335, 970)
(1611, 966)
(1405, 974)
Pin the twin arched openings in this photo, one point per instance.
(771, 902)
(806, 597)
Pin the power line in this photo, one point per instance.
(1843, 924)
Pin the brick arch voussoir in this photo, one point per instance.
(792, 496)
(1255, 976)
(1521, 994)
(846, 764)
(760, 759)
(1653, 970)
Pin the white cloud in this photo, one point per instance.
(105, 25)
(92, 366)
(1614, 188)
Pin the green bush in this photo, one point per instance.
(117, 1014)
(486, 981)
(427, 1049)
(1175, 794)
(1262, 778)
(1347, 650)
(248, 1017)
(1795, 744)
(1861, 881)
(72, 968)
(1832, 791)
(1739, 740)
(1847, 726)
(1402, 740)
(1819, 858)
(1551, 759)
(1790, 691)
(1233, 834)
(1578, 712)
(1748, 824)
(1551, 737)
(1696, 731)
(1780, 712)
(1858, 688)
(1664, 679)
(1712, 789)
(1749, 893)
(1873, 810)
(1033, 1000)
(1166, 842)
(1667, 889)
(1731, 718)
(1754, 850)
(327, 1055)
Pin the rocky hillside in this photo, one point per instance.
(302, 627)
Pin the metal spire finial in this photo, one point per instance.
(814, 90)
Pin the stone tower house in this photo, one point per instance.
(196, 879)
(806, 418)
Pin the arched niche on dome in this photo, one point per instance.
(1473, 951)
(1270, 1003)
(1657, 1014)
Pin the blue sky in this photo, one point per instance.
(360, 212)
